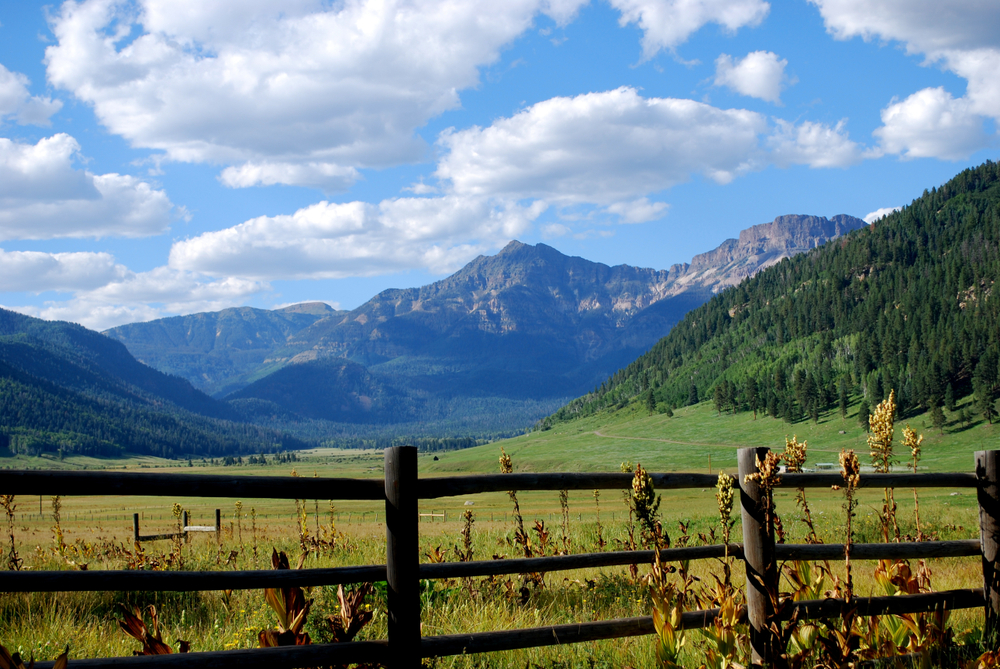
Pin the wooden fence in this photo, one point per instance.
(401, 490)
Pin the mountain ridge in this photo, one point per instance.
(528, 325)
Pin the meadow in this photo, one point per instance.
(97, 531)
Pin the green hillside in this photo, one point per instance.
(908, 304)
(68, 390)
(686, 441)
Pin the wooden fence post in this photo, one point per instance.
(187, 538)
(218, 527)
(135, 528)
(758, 556)
(988, 494)
(402, 556)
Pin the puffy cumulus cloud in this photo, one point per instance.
(960, 35)
(926, 26)
(881, 212)
(813, 144)
(668, 23)
(600, 148)
(129, 297)
(329, 240)
(324, 176)
(300, 91)
(17, 103)
(638, 211)
(760, 74)
(931, 124)
(35, 272)
(42, 196)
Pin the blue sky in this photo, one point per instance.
(161, 158)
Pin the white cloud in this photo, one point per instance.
(600, 148)
(961, 36)
(639, 211)
(931, 124)
(42, 196)
(17, 103)
(268, 86)
(324, 176)
(328, 240)
(307, 92)
(813, 144)
(926, 26)
(553, 230)
(34, 272)
(668, 23)
(127, 296)
(879, 213)
(760, 74)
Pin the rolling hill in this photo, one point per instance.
(68, 389)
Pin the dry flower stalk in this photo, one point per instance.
(880, 437)
(912, 441)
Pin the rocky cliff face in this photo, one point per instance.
(757, 248)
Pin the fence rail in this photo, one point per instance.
(401, 489)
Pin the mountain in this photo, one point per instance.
(510, 336)
(218, 351)
(906, 305)
(64, 387)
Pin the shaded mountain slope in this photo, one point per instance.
(66, 388)
(218, 351)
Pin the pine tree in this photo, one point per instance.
(949, 398)
(842, 397)
(937, 415)
(864, 414)
(693, 395)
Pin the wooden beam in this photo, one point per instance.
(937, 480)
(187, 485)
(451, 486)
(569, 562)
(402, 556)
(183, 581)
(989, 538)
(758, 557)
(180, 581)
(910, 550)
(287, 657)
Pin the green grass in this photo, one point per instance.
(694, 434)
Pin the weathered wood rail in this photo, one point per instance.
(401, 490)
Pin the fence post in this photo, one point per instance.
(402, 556)
(758, 556)
(187, 539)
(135, 528)
(218, 527)
(988, 495)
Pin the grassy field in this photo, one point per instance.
(99, 529)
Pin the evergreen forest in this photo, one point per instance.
(909, 304)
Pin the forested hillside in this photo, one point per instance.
(67, 389)
(908, 304)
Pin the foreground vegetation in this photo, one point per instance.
(68, 535)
